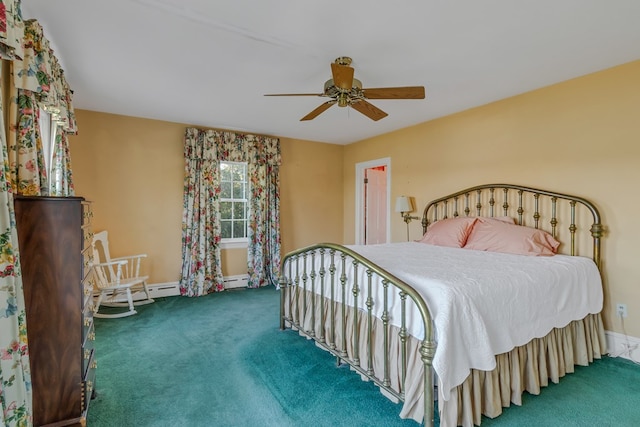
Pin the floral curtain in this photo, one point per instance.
(15, 376)
(204, 150)
(262, 155)
(28, 173)
(264, 228)
(11, 30)
(38, 83)
(59, 100)
(201, 269)
(61, 182)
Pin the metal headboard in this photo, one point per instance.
(528, 206)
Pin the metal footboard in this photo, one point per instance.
(338, 298)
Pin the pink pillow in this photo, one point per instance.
(506, 219)
(451, 232)
(499, 236)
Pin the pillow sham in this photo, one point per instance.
(506, 219)
(450, 232)
(497, 236)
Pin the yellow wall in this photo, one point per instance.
(311, 193)
(579, 137)
(132, 170)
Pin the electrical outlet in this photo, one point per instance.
(621, 310)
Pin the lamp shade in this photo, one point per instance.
(403, 204)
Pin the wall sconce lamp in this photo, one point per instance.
(404, 206)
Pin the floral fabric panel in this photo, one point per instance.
(11, 30)
(61, 182)
(15, 375)
(39, 83)
(201, 268)
(58, 101)
(204, 150)
(33, 72)
(28, 173)
(39, 72)
(263, 157)
(66, 119)
(263, 256)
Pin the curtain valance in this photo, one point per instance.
(39, 72)
(254, 149)
(199, 145)
(11, 30)
(231, 147)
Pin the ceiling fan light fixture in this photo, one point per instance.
(343, 100)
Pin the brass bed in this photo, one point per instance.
(381, 326)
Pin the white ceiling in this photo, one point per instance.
(209, 62)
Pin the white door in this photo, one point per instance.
(375, 190)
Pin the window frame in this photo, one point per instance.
(237, 242)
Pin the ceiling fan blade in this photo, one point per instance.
(342, 76)
(321, 109)
(294, 94)
(369, 110)
(408, 92)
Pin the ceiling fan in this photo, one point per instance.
(345, 90)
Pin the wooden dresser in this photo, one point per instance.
(54, 234)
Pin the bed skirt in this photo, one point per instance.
(525, 368)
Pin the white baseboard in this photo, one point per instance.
(172, 289)
(238, 281)
(617, 345)
(168, 289)
(156, 290)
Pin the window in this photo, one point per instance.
(234, 204)
(48, 135)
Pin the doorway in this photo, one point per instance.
(372, 202)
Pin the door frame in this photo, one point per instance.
(359, 210)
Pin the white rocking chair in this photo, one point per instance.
(116, 278)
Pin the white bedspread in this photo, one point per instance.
(486, 303)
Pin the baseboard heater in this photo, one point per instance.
(172, 289)
(156, 290)
(234, 282)
(159, 290)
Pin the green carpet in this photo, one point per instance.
(221, 360)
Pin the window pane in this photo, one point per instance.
(225, 210)
(239, 229)
(239, 210)
(225, 190)
(238, 190)
(234, 191)
(225, 229)
(238, 172)
(225, 171)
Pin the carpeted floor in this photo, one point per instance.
(221, 360)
